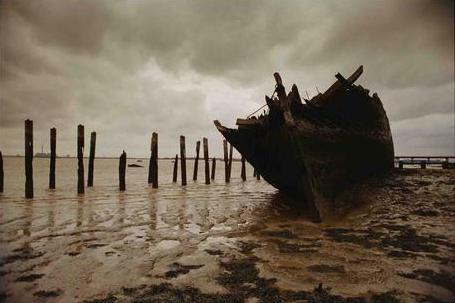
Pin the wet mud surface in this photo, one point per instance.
(242, 242)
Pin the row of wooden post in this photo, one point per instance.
(153, 165)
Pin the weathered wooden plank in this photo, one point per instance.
(80, 159)
(196, 160)
(176, 165)
(154, 160)
(53, 144)
(213, 168)
(205, 144)
(226, 162)
(122, 171)
(91, 160)
(183, 160)
(1, 172)
(28, 158)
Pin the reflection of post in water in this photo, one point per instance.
(80, 211)
(51, 213)
(28, 215)
(121, 207)
(152, 211)
(181, 211)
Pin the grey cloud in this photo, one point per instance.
(118, 66)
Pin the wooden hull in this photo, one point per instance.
(318, 155)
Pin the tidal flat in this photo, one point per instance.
(236, 242)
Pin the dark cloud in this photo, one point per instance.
(127, 68)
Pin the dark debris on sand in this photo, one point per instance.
(242, 281)
(48, 293)
(178, 269)
(29, 278)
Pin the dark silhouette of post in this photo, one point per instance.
(53, 142)
(213, 168)
(243, 171)
(256, 174)
(150, 175)
(91, 160)
(400, 164)
(183, 159)
(28, 158)
(226, 163)
(231, 148)
(196, 160)
(423, 164)
(205, 144)
(176, 166)
(154, 160)
(1, 172)
(80, 159)
(122, 171)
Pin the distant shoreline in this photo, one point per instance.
(116, 158)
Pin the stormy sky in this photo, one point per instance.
(128, 68)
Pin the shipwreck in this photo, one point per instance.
(317, 149)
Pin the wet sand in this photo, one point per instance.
(227, 243)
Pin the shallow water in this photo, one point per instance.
(64, 247)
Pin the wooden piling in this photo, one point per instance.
(256, 174)
(122, 171)
(28, 158)
(53, 141)
(183, 159)
(231, 148)
(150, 175)
(205, 144)
(243, 170)
(423, 164)
(80, 159)
(213, 168)
(154, 160)
(196, 160)
(400, 164)
(91, 160)
(176, 165)
(1, 172)
(226, 163)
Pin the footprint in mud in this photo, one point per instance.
(29, 278)
(178, 269)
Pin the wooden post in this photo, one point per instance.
(423, 164)
(176, 165)
(196, 161)
(226, 163)
(213, 168)
(154, 160)
(400, 164)
(205, 144)
(231, 148)
(1, 172)
(91, 160)
(243, 171)
(183, 159)
(256, 174)
(80, 159)
(53, 158)
(28, 158)
(122, 171)
(150, 175)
